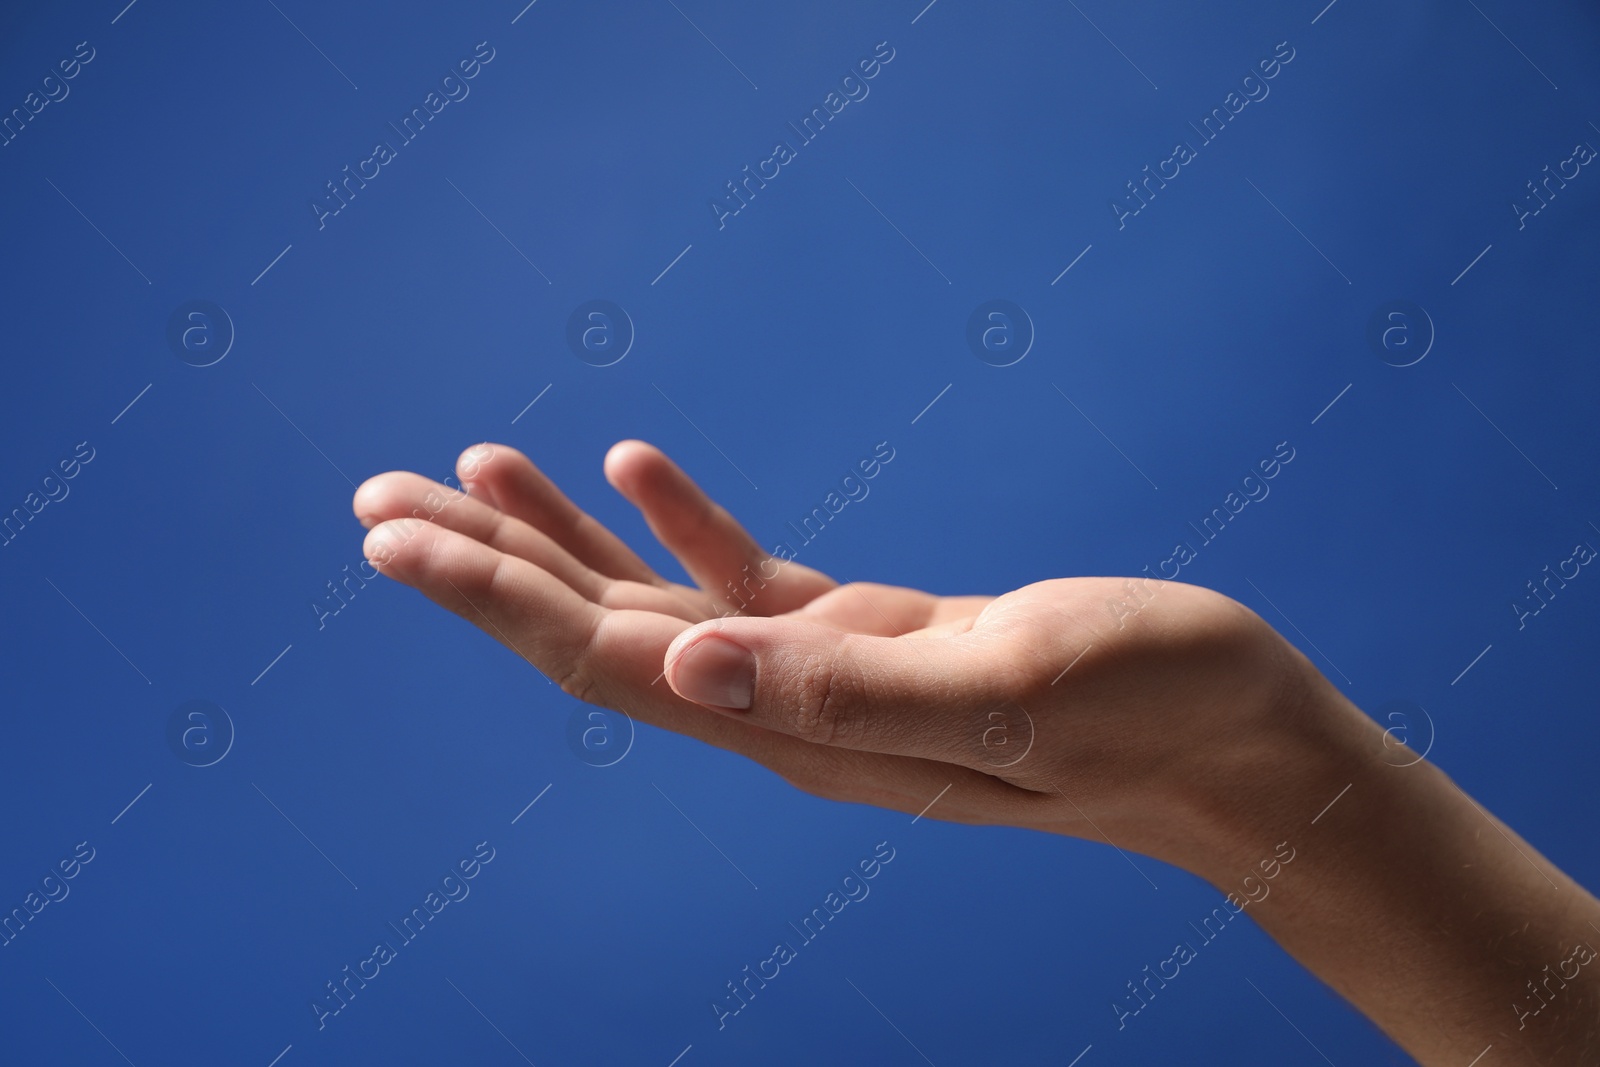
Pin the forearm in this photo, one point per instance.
(1411, 900)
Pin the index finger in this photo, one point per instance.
(511, 482)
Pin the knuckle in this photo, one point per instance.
(578, 660)
(614, 595)
(820, 704)
(579, 684)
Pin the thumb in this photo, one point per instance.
(908, 696)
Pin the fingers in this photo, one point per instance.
(904, 696)
(525, 607)
(508, 479)
(400, 494)
(706, 539)
(598, 654)
(710, 543)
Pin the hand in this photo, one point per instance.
(1101, 707)
(1156, 716)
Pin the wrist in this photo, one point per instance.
(1280, 754)
(1387, 881)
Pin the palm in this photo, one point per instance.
(520, 560)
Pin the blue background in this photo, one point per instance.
(806, 330)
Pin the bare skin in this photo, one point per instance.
(1164, 717)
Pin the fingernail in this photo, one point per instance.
(715, 671)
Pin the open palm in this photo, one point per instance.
(523, 562)
(865, 692)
